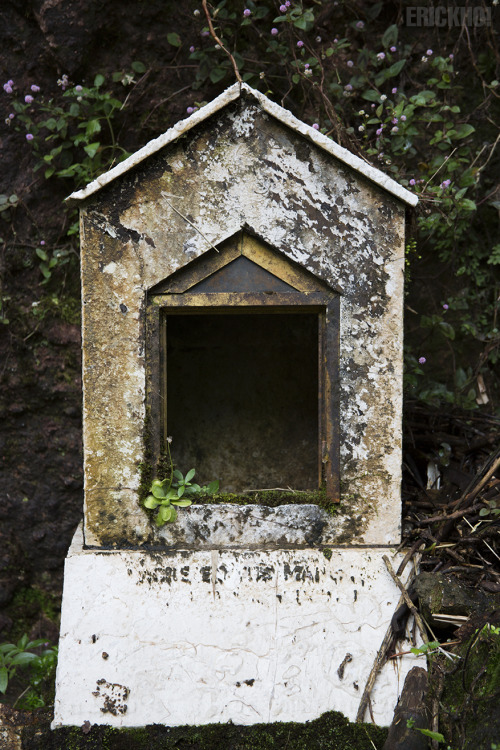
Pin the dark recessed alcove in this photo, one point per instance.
(242, 398)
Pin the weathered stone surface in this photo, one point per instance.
(242, 168)
(255, 526)
(207, 636)
(447, 595)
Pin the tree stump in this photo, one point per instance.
(411, 705)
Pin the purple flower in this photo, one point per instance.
(450, 57)
(373, 105)
(403, 118)
(445, 184)
(288, 3)
(445, 307)
(274, 32)
(379, 131)
(394, 120)
(335, 41)
(394, 90)
(10, 82)
(315, 126)
(306, 66)
(205, 33)
(393, 49)
(7, 88)
(394, 129)
(28, 98)
(429, 52)
(29, 136)
(412, 182)
(11, 116)
(350, 63)
(422, 360)
(35, 88)
(348, 87)
(192, 49)
(78, 88)
(360, 25)
(300, 44)
(247, 12)
(283, 9)
(381, 56)
(42, 242)
(190, 110)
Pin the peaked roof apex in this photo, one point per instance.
(234, 92)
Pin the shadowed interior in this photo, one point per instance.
(242, 398)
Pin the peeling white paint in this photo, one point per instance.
(214, 636)
(282, 115)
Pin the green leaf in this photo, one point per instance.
(371, 96)
(174, 39)
(447, 329)
(23, 658)
(396, 68)
(4, 679)
(178, 475)
(390, 36)
(164, 515)
(467, 205)
(217, 74)
(433, 735)
(158, 491)
(92, 127)
(92, 149)
(190, 475)
(181, 490)
(462, 131)
(138, 67)
(460, 377)
(181, 503)
(213, 487)
(99, 80)
(44, 269)
(151, 502)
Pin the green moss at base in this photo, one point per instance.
(27, 606)
(469, 716)
(272, 499)
(332, 731)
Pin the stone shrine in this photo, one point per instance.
(242, 294)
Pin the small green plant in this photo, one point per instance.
(426, 648)
(491, 509)
(167, 494)
(410, 723)
(41, 667)
(74, 136)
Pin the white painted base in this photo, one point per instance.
(197, 637)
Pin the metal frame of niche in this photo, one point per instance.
(200, 287)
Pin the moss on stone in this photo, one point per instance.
(469, 716)
(332, 731)
(27, 606)
(272, 499)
